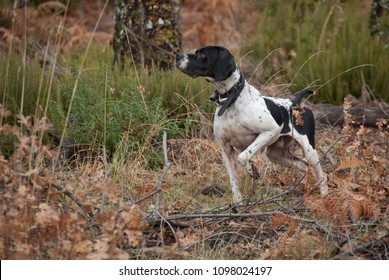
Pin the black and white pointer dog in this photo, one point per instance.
(246, 121)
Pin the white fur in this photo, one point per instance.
(183, 63)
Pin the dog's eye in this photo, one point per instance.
(202, 57)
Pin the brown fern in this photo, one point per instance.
(343, 205)
(350, 163)
(52, 7)
(346, 204)
(280, 220)
(348, 120)
(363, 209)
(356, 204)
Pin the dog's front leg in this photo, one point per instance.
(230, 164)
(263, 140)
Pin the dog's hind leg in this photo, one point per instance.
(279, 153)
(313, 158)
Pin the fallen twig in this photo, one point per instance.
(146, 197)
(382, 241)
(74, 198)
(220, 215)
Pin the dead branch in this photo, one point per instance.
(154, 210)
(146, 197)
(220, 215)
(139, 45)
(106, 174)
(380, 242)
(333, 114)
(72, 197)
(137, 38)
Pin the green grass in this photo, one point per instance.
(324, 45)
(22, 86)
(119, 110)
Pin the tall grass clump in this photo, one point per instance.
(22, 90)
(125, 111)
(109, 105)
(323, 44)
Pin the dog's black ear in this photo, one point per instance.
(224, 65)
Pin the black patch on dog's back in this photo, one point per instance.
(279, 114)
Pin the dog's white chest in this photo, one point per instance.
(244, 120)
(228, 128)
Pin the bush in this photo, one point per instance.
(107, 105)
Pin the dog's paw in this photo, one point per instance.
(323, 185)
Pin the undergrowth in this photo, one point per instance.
(324, 44)
(51, 211)
(108, 106)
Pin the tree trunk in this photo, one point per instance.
(379, 20)
(148, 31)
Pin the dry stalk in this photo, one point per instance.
(166, 167)
(154, 210)
(74, 198)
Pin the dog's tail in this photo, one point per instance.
(299, 96)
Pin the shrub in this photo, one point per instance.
(107, 105)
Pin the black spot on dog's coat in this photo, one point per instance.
(308, 127)
(279, 114)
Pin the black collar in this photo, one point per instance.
(230, 95)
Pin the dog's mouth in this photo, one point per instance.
(188, 72)
(191, 74)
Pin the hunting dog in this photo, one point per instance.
(247, 122)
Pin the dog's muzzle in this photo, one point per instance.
(181, 61)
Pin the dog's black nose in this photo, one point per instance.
(179, 56)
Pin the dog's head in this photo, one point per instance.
(211, 62)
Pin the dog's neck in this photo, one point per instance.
(228, 90)
(227, 84)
